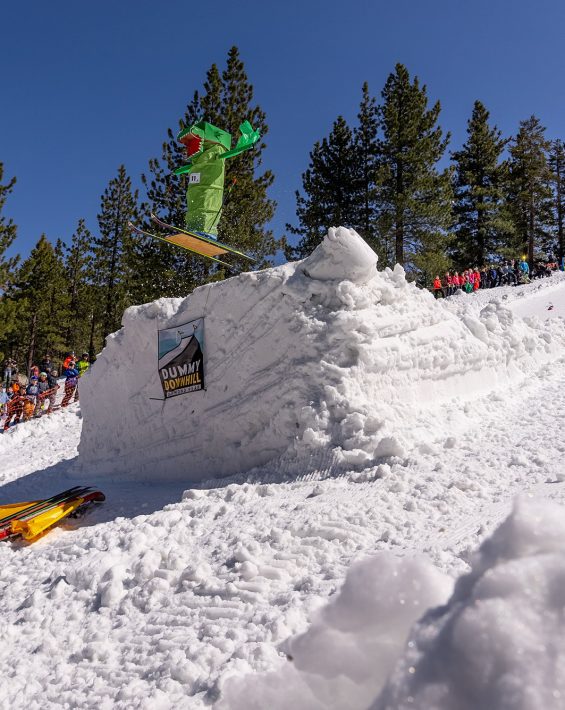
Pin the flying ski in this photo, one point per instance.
(199, 243)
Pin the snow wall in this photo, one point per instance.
(326, 355)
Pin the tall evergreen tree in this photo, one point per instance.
(414, 195)
(482, 219)
(82, 304)
(113, 267)
(8, 233)
(530, 189)
(365, 157)
(40, 292)
(329, 186)
(248, 209)
(557, 166)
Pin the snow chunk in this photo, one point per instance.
(343, 255)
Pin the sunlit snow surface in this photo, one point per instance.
(184, 595)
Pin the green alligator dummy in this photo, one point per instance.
(207, 148)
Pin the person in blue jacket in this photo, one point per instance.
(71, 382)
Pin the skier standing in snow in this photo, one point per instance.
(43, 387)
(32, 392)
(14, 408)
(53, 387)
(82, 366)
(70, 383)
(70, 358)
(10, 369)
(3, 400)
(46, 365)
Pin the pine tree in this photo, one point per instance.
(8, 232)
(414, 196)
(247, 209)
(82, 305)
(329, 186)
(41, 295)
(557, 166)
(365, 161)
(113, 266)
(530, 189)
(482, 220)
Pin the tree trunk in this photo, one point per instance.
(399, 218)
(32, 336)
(531, 230)
(560, 216)
(91, 350)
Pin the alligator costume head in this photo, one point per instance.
(200, 136)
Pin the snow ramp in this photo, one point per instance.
(326, 355)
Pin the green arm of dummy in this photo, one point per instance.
(247, 139)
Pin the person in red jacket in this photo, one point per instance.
(438, 290)
(477, 283)
(448, 283)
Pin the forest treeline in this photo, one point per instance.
(390, 176)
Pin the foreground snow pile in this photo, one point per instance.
(499, 642)
(323, 355)
(346, 655)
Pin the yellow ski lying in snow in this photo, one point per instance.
(30, 529)
(32, 518)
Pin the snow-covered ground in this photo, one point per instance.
(397, 445)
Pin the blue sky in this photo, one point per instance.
(88, 86)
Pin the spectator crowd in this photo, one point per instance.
(25, 396)
(509, 273)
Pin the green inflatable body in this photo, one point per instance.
(207, 148)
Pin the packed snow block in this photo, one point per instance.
(327, 355)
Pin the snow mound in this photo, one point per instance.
(499, 642)
(347, 654)
(323, 355)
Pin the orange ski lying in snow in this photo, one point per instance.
(31, 519)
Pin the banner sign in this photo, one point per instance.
(181, 358)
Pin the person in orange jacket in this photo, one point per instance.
(438, 290)
(67, 363)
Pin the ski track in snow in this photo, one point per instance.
(155, 598)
